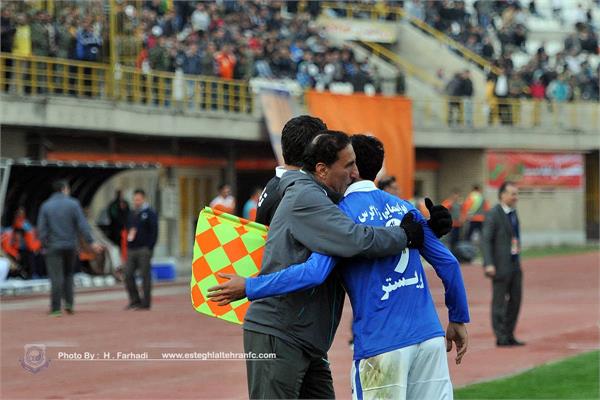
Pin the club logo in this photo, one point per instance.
(35, 358)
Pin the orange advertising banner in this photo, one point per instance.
(387, 118)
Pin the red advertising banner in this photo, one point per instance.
(535, 169)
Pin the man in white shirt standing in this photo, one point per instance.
(224, 201)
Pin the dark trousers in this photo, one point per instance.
(506, 302)
(138, 259)
(292, 375)
(61, 265)
(474, 226)
(454, 237)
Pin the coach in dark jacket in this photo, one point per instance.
(60, 224)
(142, 233)
(501, 245)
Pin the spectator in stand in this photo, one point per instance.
(7, 33)
(22, 48)
(537, 91)
(557, 10)
(225, 61)
(453, 90)
(207, 64)
(160, 60)
(501, 92)
(559, 90)
(43, 44)
(88, 46)
(466, 92)
(22, 39)
(200, 19)
(192, 65)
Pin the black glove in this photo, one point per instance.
(440, 220)
(414, 231)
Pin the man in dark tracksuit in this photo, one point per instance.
(299, 327)
(60, 223)
(142, 233)
(501, 245)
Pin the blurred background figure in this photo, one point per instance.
(224, 201)
(388, 184)
(118, 212)
(473, 213)
(141, 238)
(60, 223)
(454, 205)
(249, 211)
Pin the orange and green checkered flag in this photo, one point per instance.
(227, 244)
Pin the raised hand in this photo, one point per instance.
(440, 219)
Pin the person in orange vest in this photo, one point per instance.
(473, 211)
(224, 201)
(30, 239)
(226, 60)
(454, 205)
(22, 244)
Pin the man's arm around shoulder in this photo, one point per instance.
(319, 225)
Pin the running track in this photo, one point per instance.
(559, 318)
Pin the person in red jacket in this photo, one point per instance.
(538, 94)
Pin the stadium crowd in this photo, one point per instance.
(230, 40)
(566, 76)
(275, 40)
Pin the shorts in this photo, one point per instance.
(415, 372)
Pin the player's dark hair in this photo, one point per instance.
(369, 155)
(324, 149)
(297, 133)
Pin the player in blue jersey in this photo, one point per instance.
(399, 350)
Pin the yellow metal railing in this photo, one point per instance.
(55, 76)
(46, 75)
(461, 112)
(388, 55)
(382, 11)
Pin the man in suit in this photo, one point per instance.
(501, 245)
